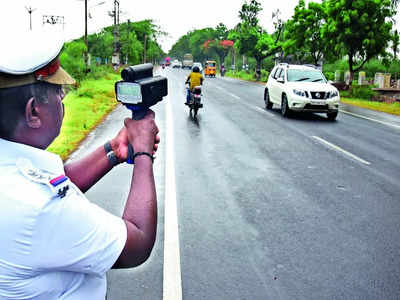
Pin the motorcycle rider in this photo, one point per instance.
(195, 79)
(222, 70)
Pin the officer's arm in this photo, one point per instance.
(84, 173)
(140, 216)
(140, 213)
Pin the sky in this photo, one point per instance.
(175, 17)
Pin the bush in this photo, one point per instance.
(362, 92)
(240, 74)
(99, 71)
(264, 75)
(330, 75)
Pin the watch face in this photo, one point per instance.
(113, 160)
(128, 92)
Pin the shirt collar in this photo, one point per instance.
(41, 159)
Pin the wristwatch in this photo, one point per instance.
(112, 159)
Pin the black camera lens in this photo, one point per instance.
(137, 72)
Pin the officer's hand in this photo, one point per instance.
(142, 134)
(120, 145)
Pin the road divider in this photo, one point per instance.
(337, 148)
(256, 108)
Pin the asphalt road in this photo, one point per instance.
(267, 207)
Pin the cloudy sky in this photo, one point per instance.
(174, 16)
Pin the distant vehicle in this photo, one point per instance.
(187, 61)
(301, 88)
(197, 64)
(167, 61)
(176, 64)
(210, 68)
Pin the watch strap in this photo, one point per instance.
(107, 147)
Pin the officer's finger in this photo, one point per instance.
(127, 121)
(150, 114)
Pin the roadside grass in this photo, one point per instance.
(390, 108)
(248, 76)
(241, 75)
(85, 108)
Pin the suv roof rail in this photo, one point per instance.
(283, 64)
(311, 65)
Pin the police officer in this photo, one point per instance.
(55, 244)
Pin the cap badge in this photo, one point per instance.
(47, 70)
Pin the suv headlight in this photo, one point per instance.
(300, 93)
(333, 94)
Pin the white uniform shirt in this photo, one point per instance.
(51, 247)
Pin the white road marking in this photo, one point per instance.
(258, 109)
(232, 95)
(337, 148)
(370, 119)
(172, 280)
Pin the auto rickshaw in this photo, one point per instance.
(210, 68)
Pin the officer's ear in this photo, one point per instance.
(31, 114)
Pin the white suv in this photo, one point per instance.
(197, 64)
(176, 64)
(301, 88)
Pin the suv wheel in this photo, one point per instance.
(268, 103)
(285, 110)
(332, 115)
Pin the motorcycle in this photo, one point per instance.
(194, 101)
(222, 72)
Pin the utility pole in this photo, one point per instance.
(86, 30)
(30, 11)
(86, 38)
(117, 44)
(144, 50)
(127, 48)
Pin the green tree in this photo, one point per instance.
(303, 35)
(395, 43)
(360, 29)
(101, 44)
(249, 12)
(193, 42)
(221, 45)
(181, 47)
(72, 58)
(196, 42)
(251, 40)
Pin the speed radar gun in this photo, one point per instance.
(138, 91)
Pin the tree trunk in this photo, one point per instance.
(351, 69)
(258, 69)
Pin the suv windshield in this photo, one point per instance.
(305, 75)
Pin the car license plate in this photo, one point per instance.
(318, 102)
